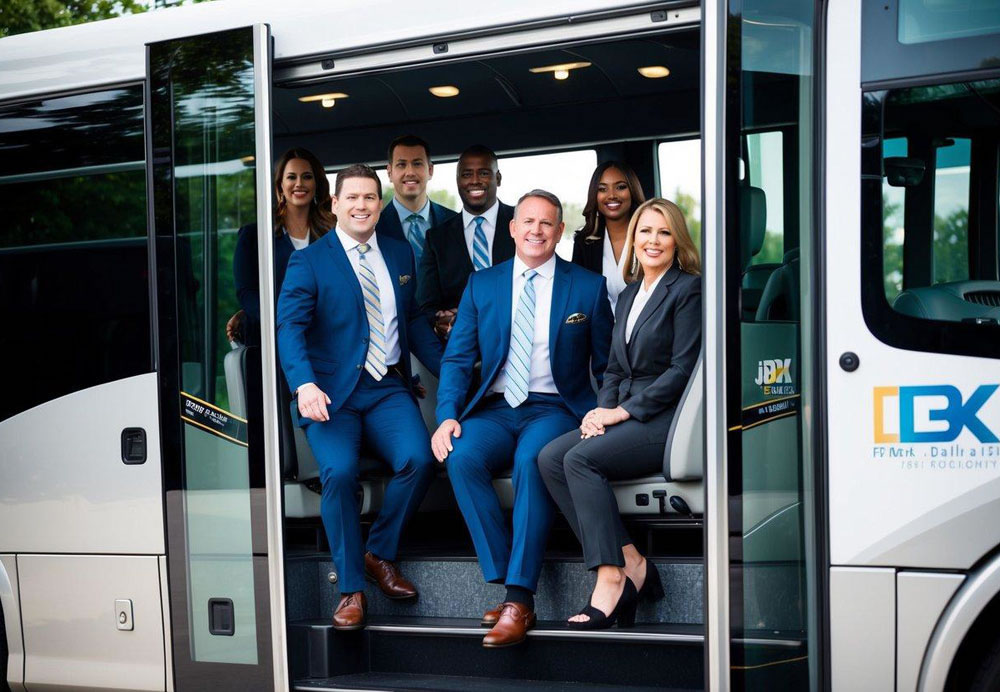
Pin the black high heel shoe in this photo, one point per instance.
(623, 615)
(652, 586)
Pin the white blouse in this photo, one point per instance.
(641, 298)
(612, 271)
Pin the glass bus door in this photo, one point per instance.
(762, 412)
(208, 141)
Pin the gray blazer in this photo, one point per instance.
(647, 376)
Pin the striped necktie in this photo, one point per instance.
(480, 250)
(375, 360)
(414, 235)
(519, 356)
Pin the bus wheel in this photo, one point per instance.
(987, 678)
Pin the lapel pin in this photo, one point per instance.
(404, 279)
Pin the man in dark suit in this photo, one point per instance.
(467, 242)
(540, 326)
(347, 319)
(410, 213)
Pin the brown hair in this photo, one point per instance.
(320, 216)
(357, 170)
(408, 141)
(593, 225)
(685, 253)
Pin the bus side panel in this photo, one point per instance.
(12, 622)
(65, 488)
(71, 630)
(921, 597)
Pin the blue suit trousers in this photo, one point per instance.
(494, 437)
(383, 415)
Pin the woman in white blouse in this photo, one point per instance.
(612, 198)
(654, 347)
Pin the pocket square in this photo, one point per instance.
(576, 318)
(404, 279)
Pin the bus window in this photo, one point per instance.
(63, 159)
(934, 20)
(930, 215)
(679, 168)
(765, 166)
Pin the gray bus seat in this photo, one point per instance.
(780, 300)
(753, 224)
(955, 301)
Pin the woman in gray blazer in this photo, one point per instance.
(654, 347)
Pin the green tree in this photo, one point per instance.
(951, 246)
(22, 16)
(692, 214)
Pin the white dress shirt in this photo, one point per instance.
(612, 271)
(641, 298)
(298, 243)
(387, 296)
(489, 228)
(540, 377)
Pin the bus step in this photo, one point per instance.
(414, 681)
(644, 656)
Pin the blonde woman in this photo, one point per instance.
(654, 347)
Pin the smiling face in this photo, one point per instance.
(298, 183)
(409, 172)
(478, 180)
(654, 243)
(614, 199)
(357, 207)
(536, 229)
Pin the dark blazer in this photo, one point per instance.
(446, 265)
(482, 331)
(245, 270)
(323, 326)
(589, 254)
(388, 225)
(647, 376)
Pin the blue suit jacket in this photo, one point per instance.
(323, 326)
(388, 225)
(482, 331)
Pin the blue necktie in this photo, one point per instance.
(521, 336)
(375, 360)
(414, 236)
(480, 250)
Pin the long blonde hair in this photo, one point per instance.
(685, 253)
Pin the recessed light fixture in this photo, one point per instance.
(560, 71)
(247, 160)
(326, 100)
(654, 72)
(444, 91)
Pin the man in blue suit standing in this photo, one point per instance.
(411, 213)
(347, 319)
(540, 325)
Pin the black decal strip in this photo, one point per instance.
(213, 419)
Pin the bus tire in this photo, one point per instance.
(987, 677)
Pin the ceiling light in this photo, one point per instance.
(654, 72)
(326, 100)
(444, 91)
(247, 160)
(560, 71)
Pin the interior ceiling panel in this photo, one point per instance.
(493, 86)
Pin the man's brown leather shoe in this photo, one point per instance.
(350, 613)
(386, 575)
(491, 616)
(512, 627)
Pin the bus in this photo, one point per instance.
(826, 514)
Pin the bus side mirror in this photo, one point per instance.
(903, 172)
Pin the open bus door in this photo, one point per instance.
(208, 144)
(763, 404)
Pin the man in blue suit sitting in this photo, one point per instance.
(540, 325)
(347, 319)
(411, 213)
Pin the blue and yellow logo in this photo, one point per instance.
(957, 414)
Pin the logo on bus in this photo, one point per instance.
(929, 413)
(774, 376)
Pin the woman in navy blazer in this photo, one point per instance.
(654, 348)
(301, 215)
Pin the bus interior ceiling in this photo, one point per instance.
(505, 106)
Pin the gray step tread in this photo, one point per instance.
(414, 681)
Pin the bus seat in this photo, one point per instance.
(753, 222)
(235, 366)
(955, 301)
(780, 300)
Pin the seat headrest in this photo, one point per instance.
(791, 256)
(753, 221)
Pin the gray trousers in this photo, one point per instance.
(578, 475)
